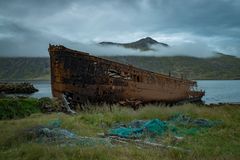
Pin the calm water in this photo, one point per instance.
(217, 91)
(44, 88)
(220, 91)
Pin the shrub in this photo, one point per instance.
(11, 108)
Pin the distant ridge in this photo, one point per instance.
(143, 44)
(218, 54)
(217, 67)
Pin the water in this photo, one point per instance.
(216, 91)
(44, 88)
(220, 91)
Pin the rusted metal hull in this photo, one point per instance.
(84, 78)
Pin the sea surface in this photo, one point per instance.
(216, 91)
(220, 91)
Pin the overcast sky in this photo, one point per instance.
(28, 26)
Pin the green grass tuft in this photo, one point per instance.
(11, 108)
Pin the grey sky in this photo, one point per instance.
(27, 26)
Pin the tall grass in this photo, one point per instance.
(220, 142)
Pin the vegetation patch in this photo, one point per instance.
(212, 142)
(11, 108)
(15, 107)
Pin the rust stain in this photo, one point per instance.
(85, 78)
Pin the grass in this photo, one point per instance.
(219, 142)
(17, 108)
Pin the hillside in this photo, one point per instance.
(24, 68)
(221, 67)
(143, 44)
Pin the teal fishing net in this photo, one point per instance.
(178, 125)
(151, 130)
(137, 129)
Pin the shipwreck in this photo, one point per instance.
(84, 78)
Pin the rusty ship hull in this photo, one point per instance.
(85, 78)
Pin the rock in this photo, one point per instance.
(12, 88)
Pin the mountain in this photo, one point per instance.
(142, 44)
(29, 68)
(218, 67)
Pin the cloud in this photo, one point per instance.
(19, 40)
(36, 23)
(199, 49)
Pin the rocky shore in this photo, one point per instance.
(12, 88)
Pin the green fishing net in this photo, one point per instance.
(177, 125)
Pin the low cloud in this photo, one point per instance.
(197, 49)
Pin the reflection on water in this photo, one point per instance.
(217, 91)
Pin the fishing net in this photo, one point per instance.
(52, 133)
(152, 130)
(137, 129)
(178, 125)
(181, 119)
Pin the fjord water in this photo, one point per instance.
(220, 91)
(216, 91)
(44, 89)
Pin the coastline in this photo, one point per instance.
(217, 91)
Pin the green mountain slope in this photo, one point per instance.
(24, 68)
(221, 67)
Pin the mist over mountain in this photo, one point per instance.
(145, 47)
(188, 60)
(143, 44)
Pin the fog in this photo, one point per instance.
(199, 49)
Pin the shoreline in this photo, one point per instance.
(27, 96)
(211, 98)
